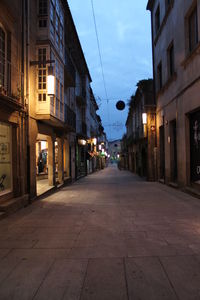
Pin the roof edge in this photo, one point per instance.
(150, 5)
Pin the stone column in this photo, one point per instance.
(51, 160)
(33, 131)
(60, 161)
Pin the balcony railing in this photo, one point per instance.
(70, 72)
(70, 117)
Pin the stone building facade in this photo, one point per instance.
(45, 99)
(141, 131)
(13, 113)
(176, 64)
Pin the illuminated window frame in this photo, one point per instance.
(42, 76)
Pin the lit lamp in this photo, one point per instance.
(95, 141)
(82, 142)
(144, 118)
(100, 147)
(144, 122)
(50, 82)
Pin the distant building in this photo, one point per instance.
(114, 150)
(176, 65)
(141, 131)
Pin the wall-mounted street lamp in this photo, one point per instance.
(144, 118)
(82, 142)
(95, 141)
(50, 82)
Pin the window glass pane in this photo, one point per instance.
(42, 7)
(5, 158)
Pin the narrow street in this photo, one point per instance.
(108, 236)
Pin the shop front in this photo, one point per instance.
(6, 184)
(195, 147)
(81, 158)
(52, 162)
(13, 158)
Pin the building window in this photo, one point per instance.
(2, 57)
(42, 23)
(170, 58)
(43, 8)
(5, 158)
(159, 76)
(57, 24)
(42, 75)
(193, 29)
(157, 19)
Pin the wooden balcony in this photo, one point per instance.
(51, 112)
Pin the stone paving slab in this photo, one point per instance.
(22, 283)
(108, 236)
(147, 280)
(64, 280)
(184, 273)
(108, 283)
(3, 253)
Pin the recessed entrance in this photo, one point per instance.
(42, 164)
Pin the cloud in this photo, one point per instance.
(124, 30)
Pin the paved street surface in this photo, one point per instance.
(108, 236)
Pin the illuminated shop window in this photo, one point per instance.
(5, 158)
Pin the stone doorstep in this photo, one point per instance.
(12, 205)
(173, 184)
(54, 189)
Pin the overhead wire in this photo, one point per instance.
(101, 63)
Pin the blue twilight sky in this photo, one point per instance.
(124, 32)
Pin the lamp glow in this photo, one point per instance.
(144, 118)
(82, 142)
(100, 147)
(50, 82)
(95, 141)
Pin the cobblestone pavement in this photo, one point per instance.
(108, 236)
